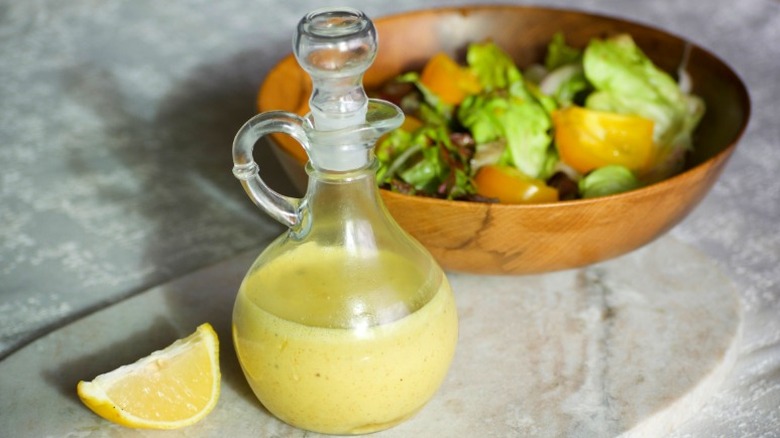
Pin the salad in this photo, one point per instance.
(587, 122)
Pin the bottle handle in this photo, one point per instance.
(284, 209)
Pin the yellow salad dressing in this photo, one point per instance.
(314, 374)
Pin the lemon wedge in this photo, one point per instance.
(171, 388)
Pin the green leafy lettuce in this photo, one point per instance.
(510, 122)
(607, 180)
(627, 82)
(560, 54)
(426, 160)
(522, 123)
(565, 80)
(508, 110)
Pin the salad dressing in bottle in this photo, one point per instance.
(344, 324)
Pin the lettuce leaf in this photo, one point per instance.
(626, 81)
(607, 180)
(523, 123)
(495, 69)
(565, 84)
(559, 53)
(391, 153)
(426, 174)
(425, 160)
(508, 109)
(431, 110)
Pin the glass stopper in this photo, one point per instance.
(335, 47)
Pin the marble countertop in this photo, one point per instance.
(634, 347)
(117, 119)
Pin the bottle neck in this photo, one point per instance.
(346, 187)
(344, 208)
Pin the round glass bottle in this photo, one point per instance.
(344, 324)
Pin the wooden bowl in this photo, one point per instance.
(523, 239)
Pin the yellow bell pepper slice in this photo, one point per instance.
(510, 186)
(448, 80)
(588, 139)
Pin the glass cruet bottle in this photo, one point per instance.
(344, 324)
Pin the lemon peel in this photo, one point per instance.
(168, 389)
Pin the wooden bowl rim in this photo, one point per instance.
(660, 186)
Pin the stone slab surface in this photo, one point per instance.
(633, 347)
